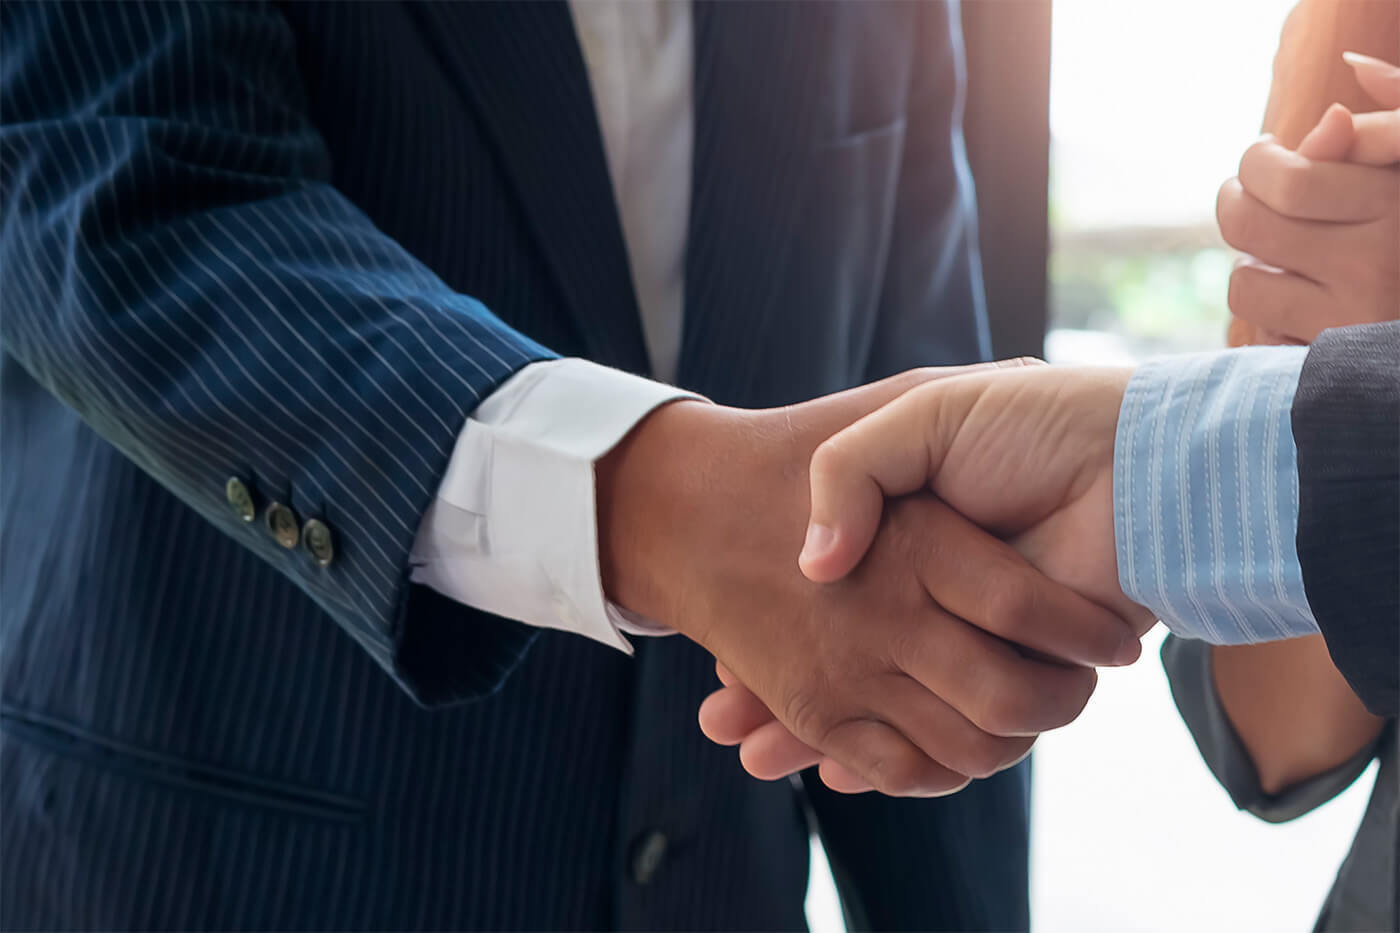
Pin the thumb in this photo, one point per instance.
(1330, 140)
(1379, 79)
(890, 452)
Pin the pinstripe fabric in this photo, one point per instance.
(1346, 420)
(237, 241)
(1206, 495)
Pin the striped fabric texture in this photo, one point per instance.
(1346, 422)
(1205, 486)
(296, 245)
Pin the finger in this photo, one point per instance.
(944, 734)
(1331, 138)
(842, 779)
(1305, 189)
(1379, 79)
(1305, 247)
(1296, 308)
(992, 684)
(731, 714)
(885, 759)
(771, 752)
(725, 675)
(1273, 338)
(1377, 140)
(984, 581)
(889, 452)
(837, 412)
(841, 409)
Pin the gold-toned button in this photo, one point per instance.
(316, 538)
(240, 499)
(282, 522)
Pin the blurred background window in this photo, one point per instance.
(1151, 104)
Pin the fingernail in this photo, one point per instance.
(1357, 60)
(819, 541)
(1129, 650)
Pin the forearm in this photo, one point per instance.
(1291, 708)
(181, 274)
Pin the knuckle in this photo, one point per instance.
(997, 710)
(1074, 695)
(831, 456)
(898, 772)
(1239, 219)
(909, 646)
(1286, 187)
(1225, 200)
(1019, 361)
(806, 715)
(1241, 293)
(1276, 176)
(1252, 154)
(953, 785)
(986, 755)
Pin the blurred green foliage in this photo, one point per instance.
(1159, 291)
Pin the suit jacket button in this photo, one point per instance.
(647, 855)
(240, 499)
(282, 522)
(316, 538)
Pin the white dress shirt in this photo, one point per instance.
(514, 527)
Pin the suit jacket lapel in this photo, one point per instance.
(521, 66)
(757, 80)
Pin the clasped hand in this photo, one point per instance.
(1026, 454)
(939, 658)
(1320, 225)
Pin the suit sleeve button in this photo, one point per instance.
(316, 538)
(282, 522)
(240, 499)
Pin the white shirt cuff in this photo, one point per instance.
(514, 529)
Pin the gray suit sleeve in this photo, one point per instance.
(1188, 666)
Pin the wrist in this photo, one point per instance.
(648, 492)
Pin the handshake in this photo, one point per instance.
(958, 578)
(957, 583)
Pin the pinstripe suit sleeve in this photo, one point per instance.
(175, 268)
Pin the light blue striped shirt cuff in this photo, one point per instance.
(1205, 482)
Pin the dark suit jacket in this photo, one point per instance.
(1346, 423)
(239, 242)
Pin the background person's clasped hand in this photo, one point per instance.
(1027, 454)
(1320, 225)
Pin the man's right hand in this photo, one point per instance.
(905, 670)
(1028, 453)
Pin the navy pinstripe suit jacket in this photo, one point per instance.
(297, 245)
